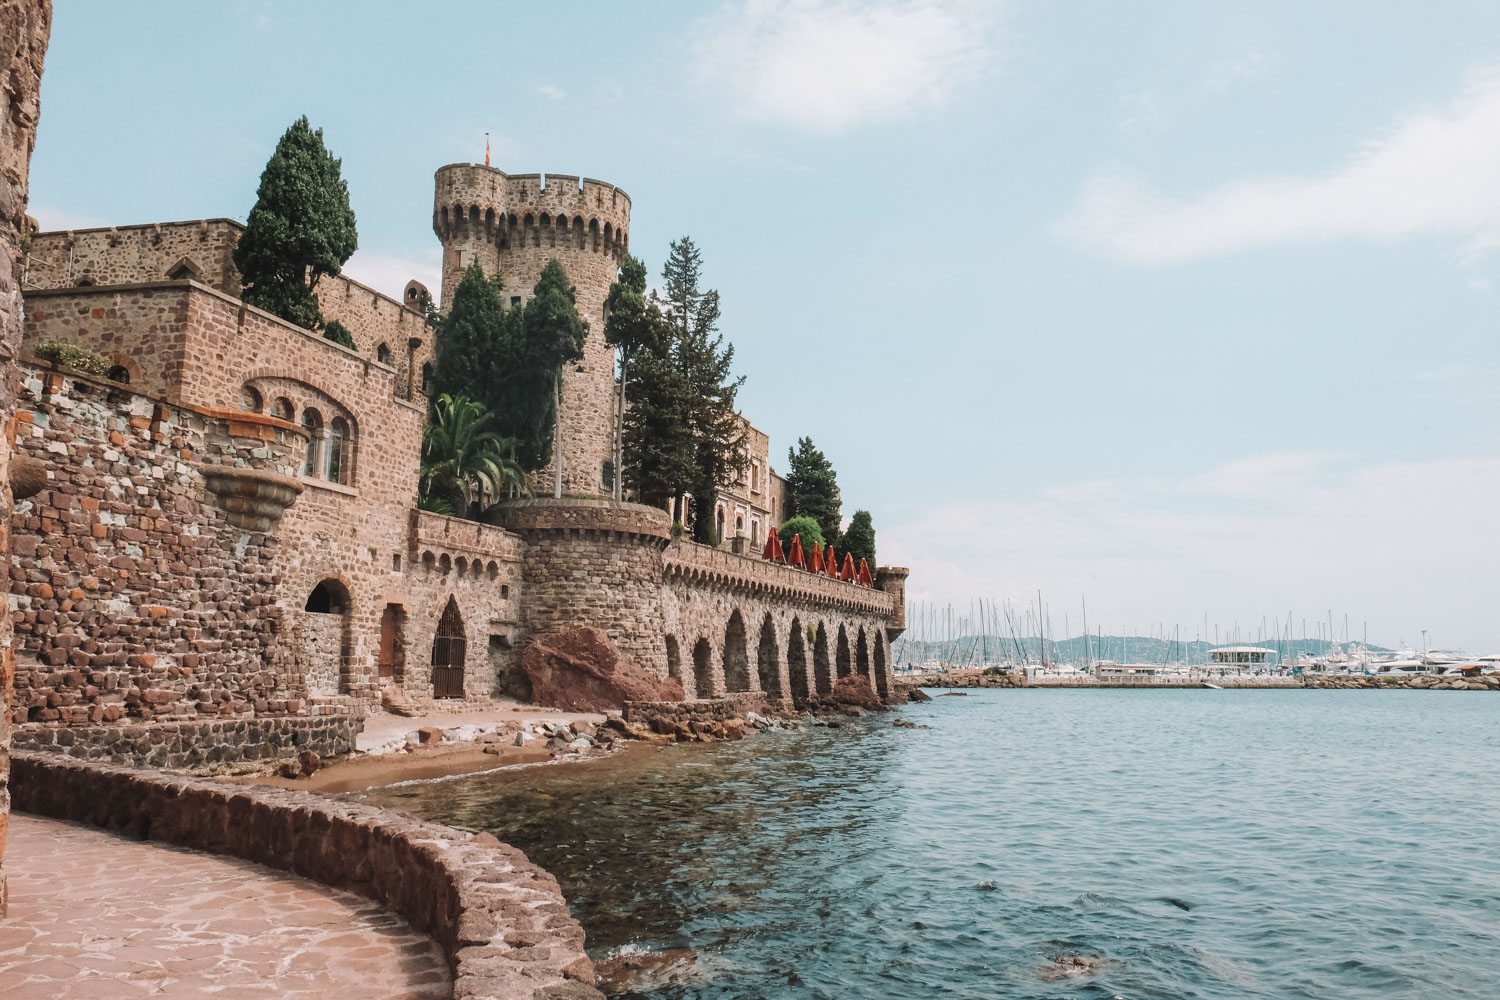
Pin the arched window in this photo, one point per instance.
(282, 408)
(383, 354)
(449, 647)
(719, 523)
(312, 422)
(118, 373)
(250, 399)
(328, 598)
(427, 378)
(338, 463)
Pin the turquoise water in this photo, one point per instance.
(1201, 844)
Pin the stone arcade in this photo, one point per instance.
(217, 557)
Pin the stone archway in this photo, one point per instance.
(841, 658)
(882, 679)
(862, 654)
(822, 676)
(767, 659)
(736, 655)
(703, 669)
(674, 661)
(324, 639)
(796, 662)
(449, 648)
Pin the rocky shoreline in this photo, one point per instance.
(1382, 682)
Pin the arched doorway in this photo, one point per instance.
(882, 682)
(736, 655)
(862, 654)
(323, 638)
(841, 653)
(703, 669)
(767, 667)
(822, 677)
(796, 662)
(448, 649)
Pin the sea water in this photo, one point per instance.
(1178, 843)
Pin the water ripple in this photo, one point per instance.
(1180, 845)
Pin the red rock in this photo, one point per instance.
(580, 670)
(854, 689)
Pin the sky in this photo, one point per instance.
(1186, 310)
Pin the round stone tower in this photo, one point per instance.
(512, 225)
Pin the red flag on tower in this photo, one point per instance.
(486, 149)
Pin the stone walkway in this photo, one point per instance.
(96, 915)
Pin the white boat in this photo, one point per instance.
(1212, 686)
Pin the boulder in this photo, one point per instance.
(916, 694)
(855, 690)
(580, 670)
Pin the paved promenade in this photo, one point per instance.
(96, 915)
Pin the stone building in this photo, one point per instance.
(225, 561)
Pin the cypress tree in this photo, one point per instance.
(300, 229)
(633, 323)
(549, 334)
(471, 339)
(859, 540)
(812, 488)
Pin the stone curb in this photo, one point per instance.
(501, 920)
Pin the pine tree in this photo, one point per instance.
(550, 334)
(859, 540)
(812, 488)
(300, 229)
(632, 324)
(471, 339)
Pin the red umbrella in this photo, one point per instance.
(849, 572)
(795, 559)
(769, 552)
(831, 561)
(816, 562)
(864, 574)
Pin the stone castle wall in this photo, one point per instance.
(134, 594)
(512, 225)
(25, 28)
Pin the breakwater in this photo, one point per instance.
(1016, 679)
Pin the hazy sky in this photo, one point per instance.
(1186, 307)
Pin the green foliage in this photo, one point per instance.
(812, 488)
(435, 505)
(471, 339)
(806, 527)
(633, 323)
(859, 539)
(339, 334)
(77, 358)
(550, 335)
(464, 462)
(300, 229)
(682, 433)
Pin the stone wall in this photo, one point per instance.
(199, 747)
(25, 26)
(202, 250)
(512, 225)
(501, 920)
(142, 585)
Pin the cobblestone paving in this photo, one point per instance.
(96, 915)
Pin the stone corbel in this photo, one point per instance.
(254, 499)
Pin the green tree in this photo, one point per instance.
(339, 334)
(549, 335)
(632, 323)
(812, 488)
(806, 527)
(859, 538)
(300, 229)
(471, 339)
(464, 461)
(658, 441)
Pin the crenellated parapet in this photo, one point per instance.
(703, 566)
(513, 211)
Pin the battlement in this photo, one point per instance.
(530, 210)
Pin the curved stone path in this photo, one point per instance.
(96, 915)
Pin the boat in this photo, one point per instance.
(1211, 686)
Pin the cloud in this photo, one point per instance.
(1406, 545)
(389, 273)
(551, 91)
(1430, 173)
(831, 65)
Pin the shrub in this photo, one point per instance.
(339, 334)
(805, 526)
(77, 358)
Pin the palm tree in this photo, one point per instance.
(463, 461)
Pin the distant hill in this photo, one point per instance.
(991, 649)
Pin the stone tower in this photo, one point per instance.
(512, 225)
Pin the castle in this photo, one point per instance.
(217, 555)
